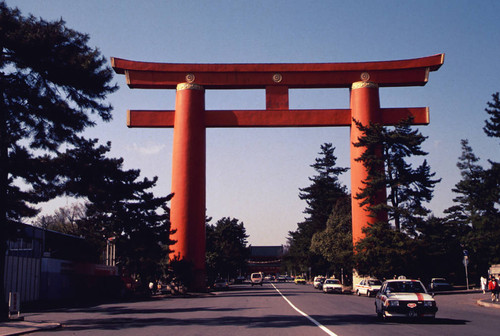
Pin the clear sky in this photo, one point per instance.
(255, 174)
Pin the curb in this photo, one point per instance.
(23, 327)
(487, 303)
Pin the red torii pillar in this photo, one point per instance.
(187, 213)
(190, 121)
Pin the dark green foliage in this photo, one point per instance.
(51, 83)
(439, 252)
(226, 250)
(492, 128)
(384, 252)
(120, 207)
(334, 243)
(390, 248)
(321, 196)
(386, 158)
(476, 210)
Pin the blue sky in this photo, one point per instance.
(255, 174)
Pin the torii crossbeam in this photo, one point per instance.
(190, 120)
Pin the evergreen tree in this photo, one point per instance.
(476, 209)
(120, 206)
(469, 203)
(227, 250)
(439, 250)
(51, 82)
(321, 196)
(335, 242)
(492, 128)
(409, 188)
(389, 248)
(384, 252)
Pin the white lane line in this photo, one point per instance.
(322, 327)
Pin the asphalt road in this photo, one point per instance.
(279, 309)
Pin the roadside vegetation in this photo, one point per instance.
(413, 241)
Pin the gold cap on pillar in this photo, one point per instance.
(361, 84)
(189, 86)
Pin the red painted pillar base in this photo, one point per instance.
(188, 181)
(365, 108)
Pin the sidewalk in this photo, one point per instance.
(18, 327)
(487, 303)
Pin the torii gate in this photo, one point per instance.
(190, 120)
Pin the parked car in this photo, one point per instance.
(403, 297)
(318, 282)
(332, 286)
(439, 284)
(239, 280)
(256, 279)
(221, 284)
(367, 287)
(281, 278)
(299, 280)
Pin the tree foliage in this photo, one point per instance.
(389, 246)
(335, 242)
(492, 127)
(321, 196)
(51, 84)
(476, 209)
(227, 250)
(408, 188)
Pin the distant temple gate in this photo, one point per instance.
(190, 120)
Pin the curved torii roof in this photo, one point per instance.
(151, 75)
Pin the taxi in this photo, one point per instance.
(299, 280)
(403, 297)
(367, 287)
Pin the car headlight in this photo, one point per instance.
(428, 303)
(392, 303)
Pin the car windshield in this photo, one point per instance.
(443, 281)
(405, 287)
(374, 282)
(332, 281)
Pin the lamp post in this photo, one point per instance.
(466, 263)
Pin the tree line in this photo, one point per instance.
(53, 87)
(412, 241)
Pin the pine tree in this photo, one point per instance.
(320, 196)
(409, 188)
(334, 243)
(119, 206)
(389, 246)
(470, 189)
(492, 128)
(51, 83)
(227, 250)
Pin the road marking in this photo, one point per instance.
(322, 327)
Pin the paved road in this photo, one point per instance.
(282, 309)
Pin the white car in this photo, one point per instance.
(332, 286)
(404, 297)
(256, 278)
(318, 282)
(367, 287)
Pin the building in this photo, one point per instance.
(44, 265)
(266, 259)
